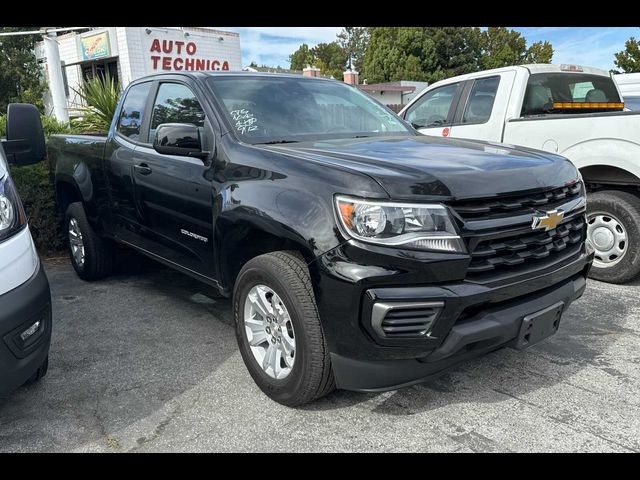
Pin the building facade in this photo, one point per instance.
(128, 53)
(394, 94)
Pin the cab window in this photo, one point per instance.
(175, 103)
(132, 111)
(433, 108)
(481, 99)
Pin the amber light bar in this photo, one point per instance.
(588, 105)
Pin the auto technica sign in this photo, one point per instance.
(171, 51)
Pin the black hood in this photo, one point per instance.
(406, 166)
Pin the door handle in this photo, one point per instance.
(142, 169)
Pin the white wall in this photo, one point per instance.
(132, 47)
(388, 98)
(211, 53)
(408, 96)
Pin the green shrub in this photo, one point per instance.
(50, 126)
(35, 186)
(99, 97)
(34, 183)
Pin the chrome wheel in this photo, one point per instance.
(269, 331)
(608, 237)
(76, 243)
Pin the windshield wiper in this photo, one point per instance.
(273, 142)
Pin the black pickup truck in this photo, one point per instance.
(360, 254)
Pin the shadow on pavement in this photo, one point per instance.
(125, 346)
(122, 348)
(586, 332)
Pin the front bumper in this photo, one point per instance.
(475, 319)
(20, 308)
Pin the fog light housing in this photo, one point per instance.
(29, 332)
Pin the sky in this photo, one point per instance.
(589, 46)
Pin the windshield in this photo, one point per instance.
(273, 109)
(558, 93)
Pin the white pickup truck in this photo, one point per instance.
(571, 110)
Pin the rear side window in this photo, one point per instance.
(175, 103)
(632, 103)
(481, 98)
(562, 93)
(132, 111)
(432, 109)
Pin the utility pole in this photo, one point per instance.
(56, 81)
(54, 66)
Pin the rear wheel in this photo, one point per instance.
(279, 331)
(613, 228)
(91, 255)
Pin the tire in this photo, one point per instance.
(311, 376)
(614, 206)
(98, 251)
(40, 373)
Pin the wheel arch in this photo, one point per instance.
(67, 192)
(604, 174)
(240, 242)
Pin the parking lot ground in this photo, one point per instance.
(146, 360)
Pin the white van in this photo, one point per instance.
(25, 299)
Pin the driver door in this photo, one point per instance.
(432, 113)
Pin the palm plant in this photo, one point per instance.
(99, 99)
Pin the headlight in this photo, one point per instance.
(12, 217)
(404, 225)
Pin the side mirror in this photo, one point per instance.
(25, 138)
(179, 139)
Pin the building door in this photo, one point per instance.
(100, 68)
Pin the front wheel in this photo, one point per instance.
(613, 228)
(279, 331)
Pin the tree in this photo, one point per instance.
(501, 47)
(629, 59)
(420, 53)
(457, 51)
(330, 58)
(539, 52)
(301, 58)
(393, 53)
(354, 41)
(20, 75)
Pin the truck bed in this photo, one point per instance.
(78, 161)
(67, 150)
(583, 138)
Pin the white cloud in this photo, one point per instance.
(273, 45)
(589, 47)
(310, 34)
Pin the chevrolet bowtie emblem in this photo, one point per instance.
(547, 220)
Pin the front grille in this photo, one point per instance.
(518, 252)
(404, 319)
(516, 205)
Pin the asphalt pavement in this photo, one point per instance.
(147, 360)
